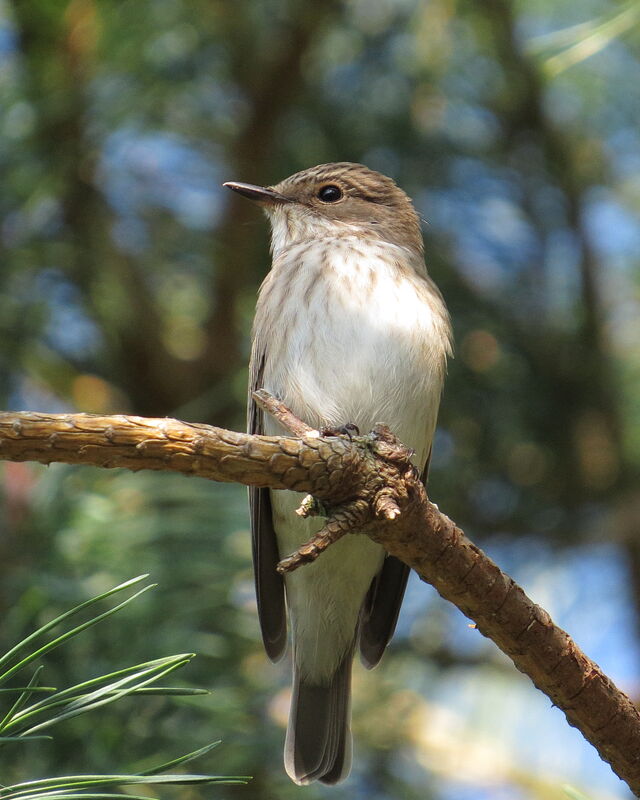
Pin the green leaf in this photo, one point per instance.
(85, 696)
(22, 698)
(182, 759)
(84, 702)
(69, 783)
(22, 738)
(22, 645)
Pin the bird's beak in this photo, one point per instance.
(259, 194)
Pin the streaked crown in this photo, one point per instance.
(341, 198)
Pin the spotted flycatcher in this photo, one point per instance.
(348, 328)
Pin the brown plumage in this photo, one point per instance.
(348, 328)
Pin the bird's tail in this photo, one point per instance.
(318, 743)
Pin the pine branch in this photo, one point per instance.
(365, 484)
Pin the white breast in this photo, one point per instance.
(359, 336)
(350, 332)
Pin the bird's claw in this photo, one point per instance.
(348, 429)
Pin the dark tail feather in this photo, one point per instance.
(380, 610)
(318, 743)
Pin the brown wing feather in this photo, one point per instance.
(269, 583)
(381, 606)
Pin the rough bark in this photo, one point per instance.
(366, 484)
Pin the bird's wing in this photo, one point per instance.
(269, 583)
(381, 606)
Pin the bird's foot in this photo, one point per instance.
(348, 429)
(310, 505)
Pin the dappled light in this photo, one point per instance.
(127, 285)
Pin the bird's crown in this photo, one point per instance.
(347, 196)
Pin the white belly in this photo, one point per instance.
(324, 598)
(374, 353)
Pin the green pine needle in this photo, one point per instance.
(22, 719)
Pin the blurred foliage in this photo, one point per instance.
(29, 707)
(127, 284)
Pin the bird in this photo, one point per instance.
(348, 328)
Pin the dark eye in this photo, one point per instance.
(330, 193)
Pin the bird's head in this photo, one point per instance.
(333, 200)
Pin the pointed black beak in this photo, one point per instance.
(259, 194)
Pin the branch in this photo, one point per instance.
(367, 485)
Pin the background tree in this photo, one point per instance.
(127, 285)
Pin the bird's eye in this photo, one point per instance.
(330, 193)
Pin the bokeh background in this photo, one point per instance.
(128, 278)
